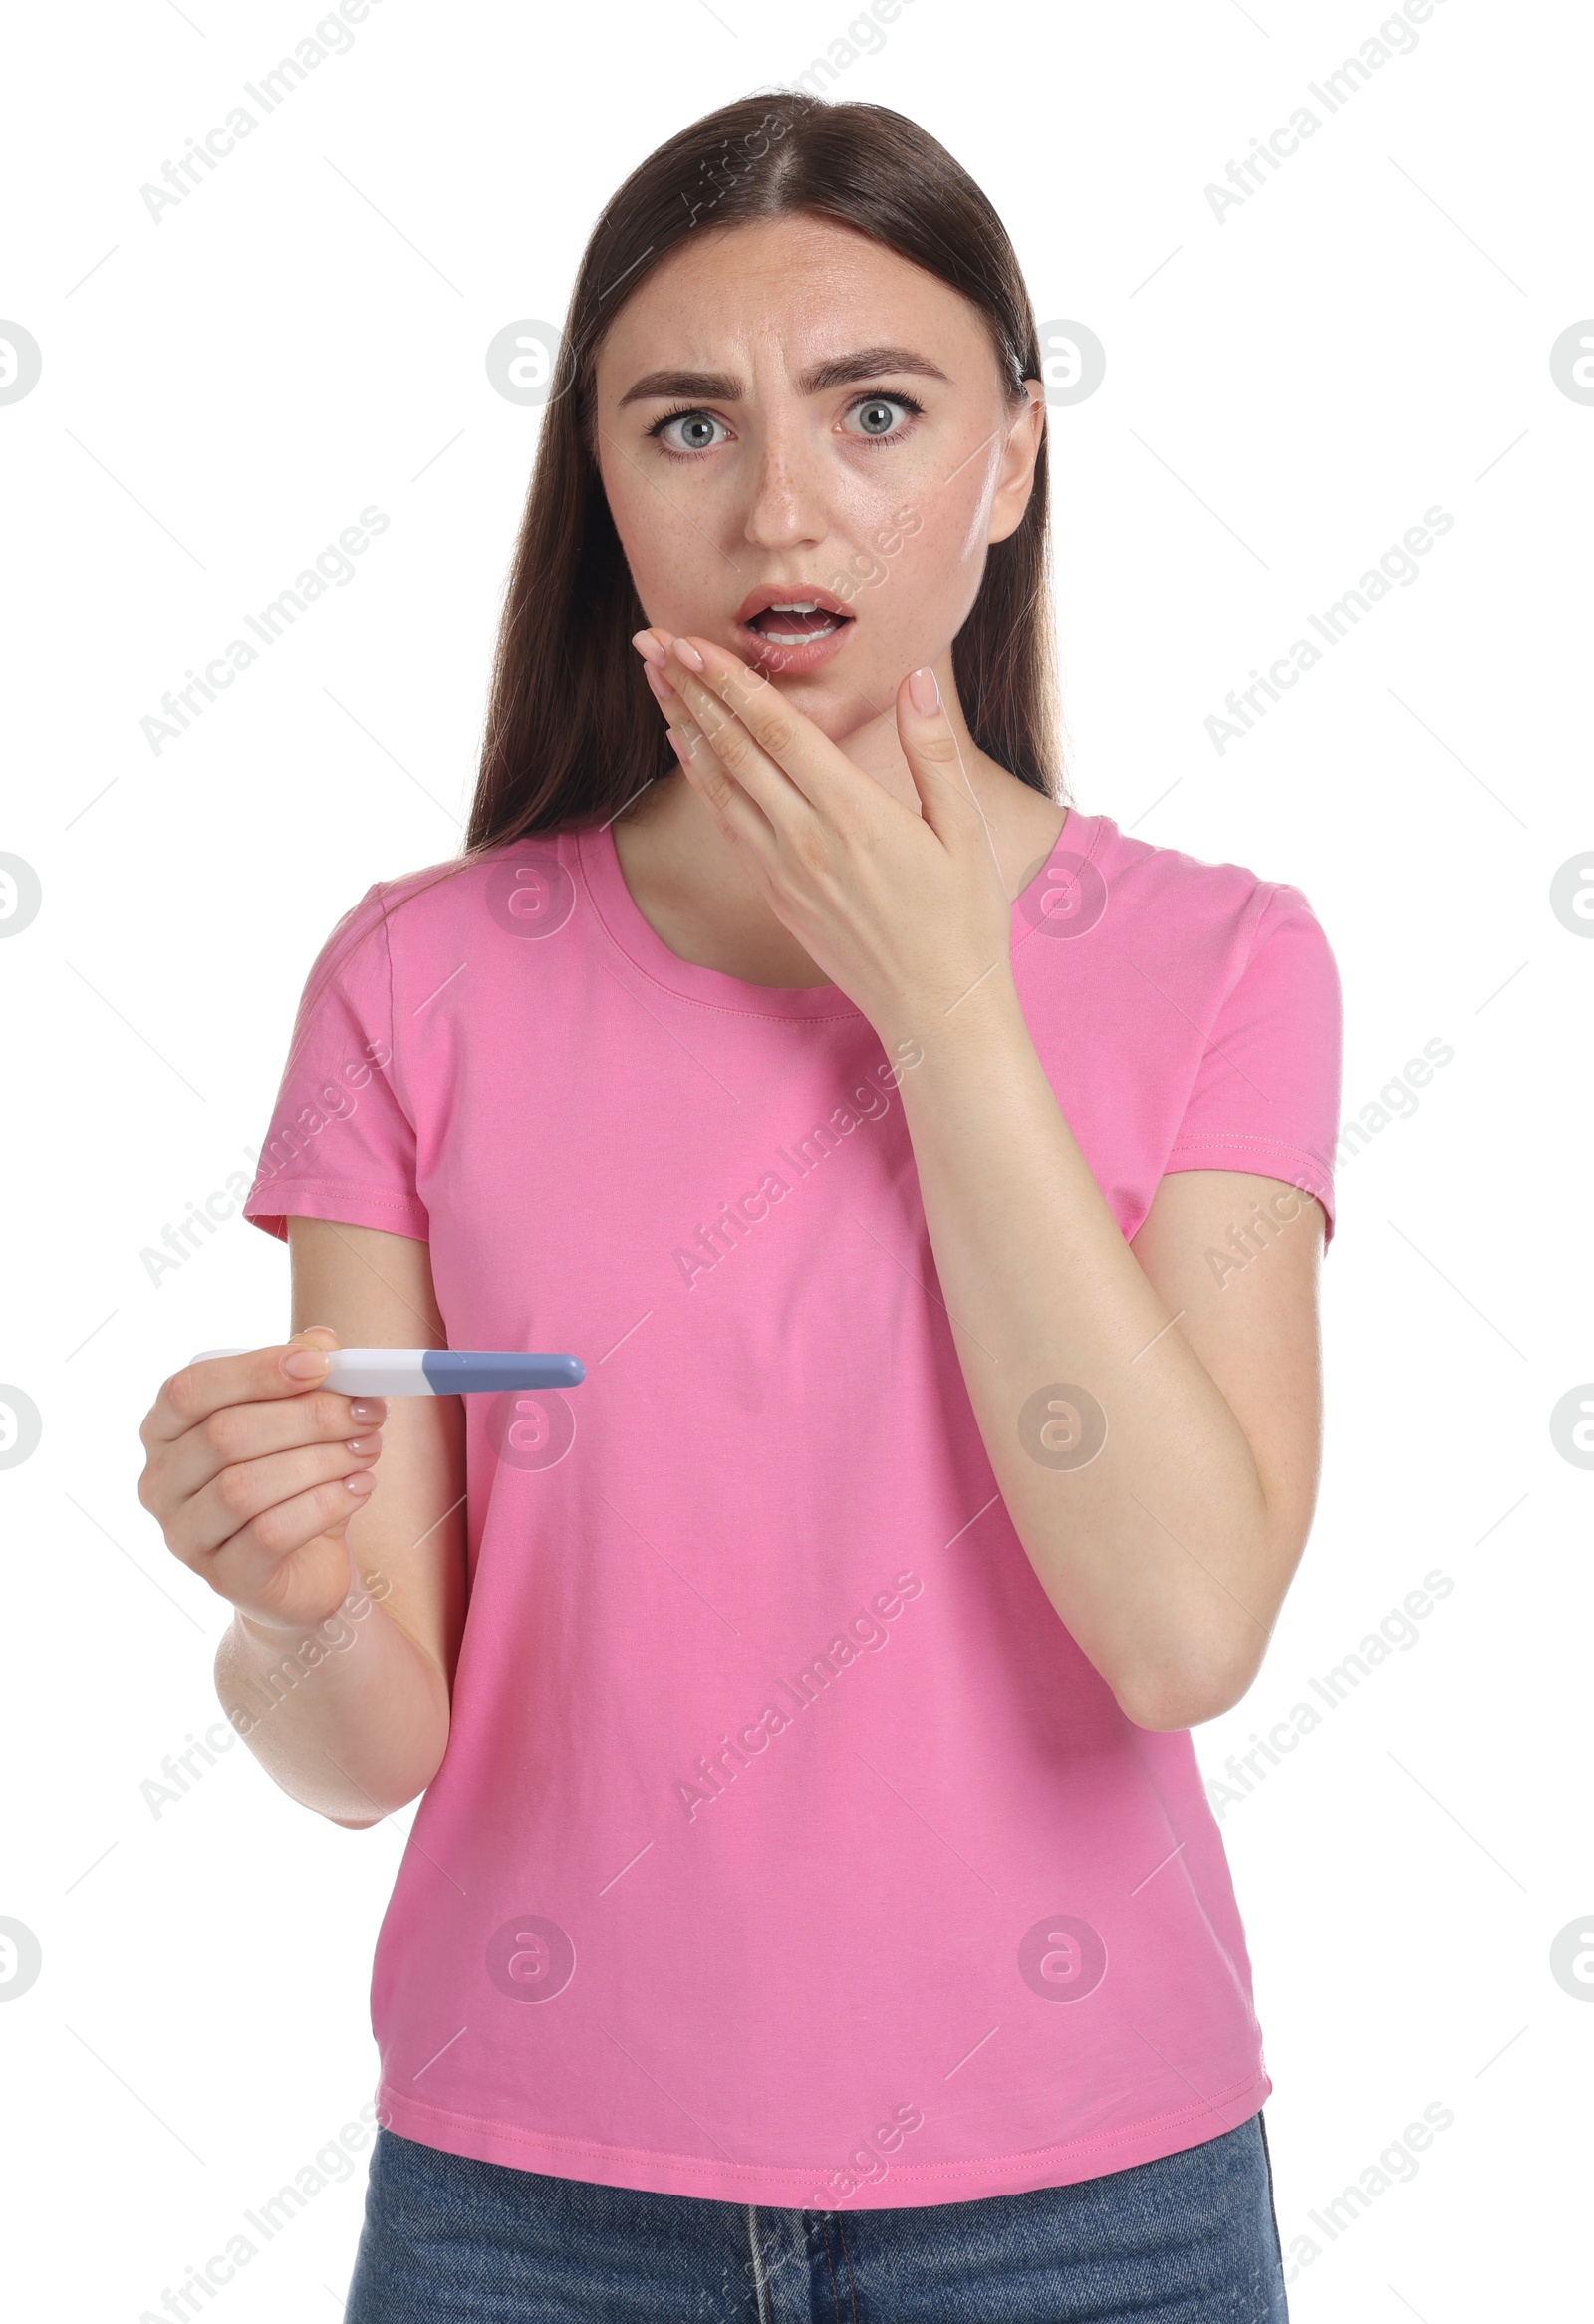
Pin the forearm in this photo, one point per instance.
(1157, 1548)
(348, 1716)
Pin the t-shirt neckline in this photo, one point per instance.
(598, 860)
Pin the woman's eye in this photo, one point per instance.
(687, 432)
(880, 415)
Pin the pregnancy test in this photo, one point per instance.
(435, 1371)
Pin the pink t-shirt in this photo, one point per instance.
(787, 1850)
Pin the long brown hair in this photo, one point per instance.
(571, 733)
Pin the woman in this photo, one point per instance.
(814, 1909)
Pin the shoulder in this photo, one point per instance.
(1145, 875)
(435, 894)
(1190, 905)
(408, 918)
(410, 912)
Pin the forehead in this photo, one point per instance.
(800, 288)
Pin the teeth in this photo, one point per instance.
(809, 607)
(797, 637)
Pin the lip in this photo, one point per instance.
(777, 661)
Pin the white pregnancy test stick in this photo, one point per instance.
(435, 1371)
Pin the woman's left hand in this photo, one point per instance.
(906, 913)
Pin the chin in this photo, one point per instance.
(838, 711)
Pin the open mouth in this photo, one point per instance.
(791, 632)
(796, 622)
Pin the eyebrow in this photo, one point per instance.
(839, 371)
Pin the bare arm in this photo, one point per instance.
(338, 1668)
(1154, 1422)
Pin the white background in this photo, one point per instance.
(1287, 390)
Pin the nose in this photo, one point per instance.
(788, 505)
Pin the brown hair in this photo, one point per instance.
(572, 734)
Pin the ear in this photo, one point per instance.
(1017, 479)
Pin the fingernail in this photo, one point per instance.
(362, 1482)
(649, 648)
(662, 690)
(304, 1364)
(367, 1409)
(362, 1444)
(924, 692)
(688, 654)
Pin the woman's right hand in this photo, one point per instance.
(253, 1472)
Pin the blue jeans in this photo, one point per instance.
(1187, 2240)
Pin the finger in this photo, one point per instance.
(738, 752)
(191, 1396)
(261, 1568)
(253, 1513)
(741, 819)
(935, 760)
(703, 768)
(790, 741)
(663, 693)
(235, 1433)
(652, 645)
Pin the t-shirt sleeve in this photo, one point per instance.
(340, 1143)
(1267, 1091)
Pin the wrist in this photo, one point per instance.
(272, 1635)
(981, 1017)
(277, 1637)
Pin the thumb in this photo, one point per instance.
(935, 760)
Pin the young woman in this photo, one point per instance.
(813, 1910)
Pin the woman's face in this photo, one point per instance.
(807, 451)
